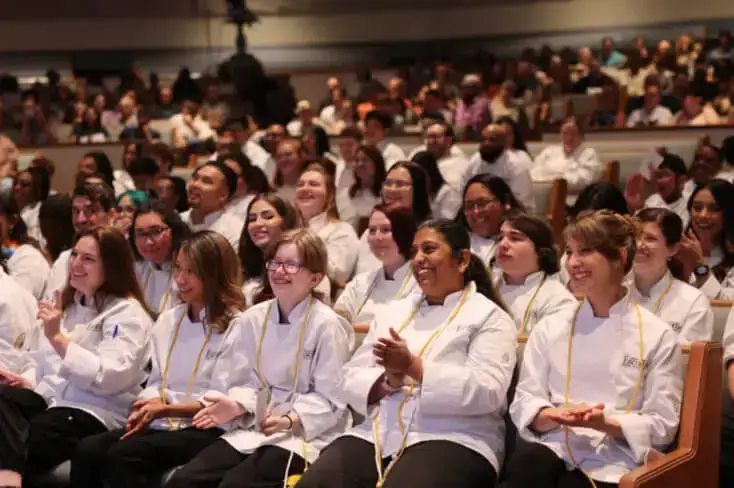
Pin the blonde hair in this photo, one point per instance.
(217, 266)
(311, 252)
(606, 232)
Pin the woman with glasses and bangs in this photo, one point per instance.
(156, 234)
(486, 200)
(406, 185)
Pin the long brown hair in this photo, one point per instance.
(118, 269)
(217, 266)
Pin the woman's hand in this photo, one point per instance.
(50, 313)
(393, 354)
(690, 253)
(13, 380)
(273, 424)
(221, 410)
(143, 414)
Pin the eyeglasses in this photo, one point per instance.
(288, 267)
(479, 204)
(152, 233)
(399, 184)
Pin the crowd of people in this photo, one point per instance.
(302, 313)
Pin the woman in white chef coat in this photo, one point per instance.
(188, 349)
(706, 249)
(18, 311)
(315, 201)
(283, 390)
(356, 202)
(528, 284)
(267, 217)
(290, 159)
(486, 200)
(20, 254)
(406, 185)
(31, 188)
(445, 200)
(156, 234)
(90, 360)
(657, 284)
(601, 387)
(390, 236)
(431, 378)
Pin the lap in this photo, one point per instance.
(164, 444)
(347, 462)
(212, 462)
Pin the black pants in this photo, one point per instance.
(137, 460)
(34, 439)
(349, 462)
(726, 470)
(535, 465)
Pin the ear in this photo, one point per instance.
(316, 279)
(464, 260)
(673, 249)
(623, 255)
(682, 180)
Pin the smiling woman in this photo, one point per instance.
(599, 386)
(451, 348)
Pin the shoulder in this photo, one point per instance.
(483, 311)
(27, 252)
(128, 309)
(654, 328)
(687, 293)
(340, 228)
(554, 289)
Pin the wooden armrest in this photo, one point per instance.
(665, 472)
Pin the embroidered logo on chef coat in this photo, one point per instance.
(95, 326)
(630, 361)
(308, 354)
(212, 354)
(676, 326)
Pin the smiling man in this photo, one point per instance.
(210, 190)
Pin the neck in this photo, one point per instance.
(439, 298)
(290, 180)
(307, 217)
(644, 281)
(516, 278)
(199, 214)
(673, 197)
(195, 309)
(288, 303)
(390, 267)
(602, 303)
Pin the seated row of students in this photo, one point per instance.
(431, 377)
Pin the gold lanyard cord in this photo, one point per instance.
(529, 309)
(376, 423)
(149, 271)
(164, 377)
(659, 301)
(567, 396)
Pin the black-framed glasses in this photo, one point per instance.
(479, 204)
(288, 267)
(153, 232)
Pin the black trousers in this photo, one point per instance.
(138, 460)
(220, 465)
(349, 462)
(35, 439)
(535, 465)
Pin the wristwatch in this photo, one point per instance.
(701, 270)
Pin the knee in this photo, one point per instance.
(121, 454)
(91, 451)
(530, 457)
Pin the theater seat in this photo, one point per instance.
(56, 478)
(722, 310)
(695, 461)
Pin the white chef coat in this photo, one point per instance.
(184, 381)
(29, 214)
(605, 367)
(58, 276)
(467, 370)
(104, 363)
(341, 245)
(456, 171)
(447, 202)
(344, 178)
(513, 167)
(391, 153)
(366, 261)
(220, 221)
(28, 266)
(484, 248)
(353, 209)
(237, 207)
(580, 168)
(679, 207)
(122, 182)
(18, 310)
(683, 307)
(368, 291)
(712, 287)
(156, 283)
(658, 116)
(325, 348)
(552, 298)
(259, 157)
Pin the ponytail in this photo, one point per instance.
(478, 274)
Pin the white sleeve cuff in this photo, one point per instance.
(80, 365)
(637, 433)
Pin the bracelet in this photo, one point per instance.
(290, 421)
